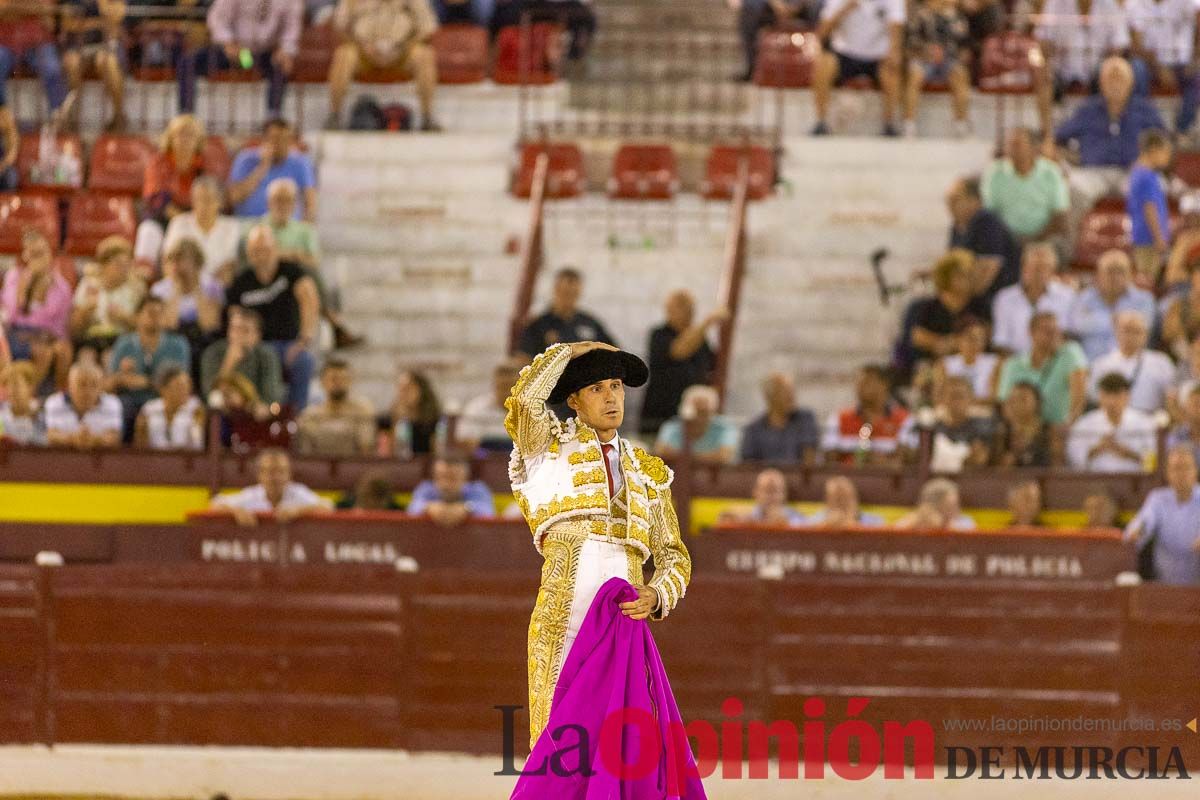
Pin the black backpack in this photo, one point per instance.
(367, 115)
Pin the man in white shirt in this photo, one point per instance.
(1149, 372)
(1163, 33)
(1038, 290)
(859, 38)
(275, 492)
(481, 423)
(84, 417)
(216, 234)
(1093, 314)
(1114, 437)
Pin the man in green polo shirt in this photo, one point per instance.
(1057, 368)
(1026, 190)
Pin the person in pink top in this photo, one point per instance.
(35, 297)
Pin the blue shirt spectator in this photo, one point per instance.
(450, 497)
(713, 438)
(864, 518)
(1104, 141)
(1170, 520)
(255, 167)
(784, 434)
(1145, 186)
(1091, 316)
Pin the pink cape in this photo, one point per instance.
(613, 668)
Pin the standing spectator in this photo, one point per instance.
(980, 369)
(95, 32)
(275, 493)
(481, 423)
(841, 506)
(167, 184)
(1099, 509)
(35, 298)
(384, 34)
(1038, 291)
(286, 299)
(1026, 190)
(1146, 205)
(928, 331)
(1074, 36)
(679, 357)
(217, 234)
(107, 297)
(563, 322)
(191, 299)
(27, 37)
(936, 39)
(1023, 439)
(1114, 437)
(451, 498)
(1181, 321)
(712, 437)
(1163, 33)
(10, 140)
(344, 425)
(175, 419)
(868, 432)
(1058, 369)
(1149, 372)
(264, 35)
(938, 507)
(1025, 505)
(138, 356)
(785, 434)
(860, 38)
(20, 417)
(1187, 432)
(1093, 314)
(243, 353)
(254, 168)
(959, 438)
(982, 233)
(83, 417)
(413, 417)
(770, 503)
(1169, 519)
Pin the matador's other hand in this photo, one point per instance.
(643, 606)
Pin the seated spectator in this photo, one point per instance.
(175, 419)
(1023, 439)
(1114, 437)
(563, 322)
(20, 414)
(254, 169)
(938, 507)
(1025, 505)
(1149, 372)
(27, 37)
(863, 40)
(1093, 313)
(1181, 322)
(344, 425)
(679, 357)
(841, 507)
(264, 36)
(959, 438)
(481, 423)
(928, 330)
(1058, 369)
(275, 493)
(451, 498)
(1169, 520)
(137, 357)
(83, 417)
(191, 299)
(243, 353)
(869, 432)
(1146, 205)
(10, 140)
(982, 233)
(784, 434)
(107, 296)
(1187, 376)
(1026, 190)
(1038, 290)
(1187, 432)
(1073, 37)
(936, 40)
(1163, 35)
(413, 417)
(286, 299)
(770, 503)
(236, 398)
(216, 234)
(35, 299)
(378, 34)
(1100, 509)
(373, 492)
(95, 46)
(754, 16)
(167, 184)
(970, 361)
(50, 359)
(709, 437)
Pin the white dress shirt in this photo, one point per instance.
(1081, 42)
(1167, 28)
(254, 498)
(1012, 311)
(220, 244)
(1150, 372)
(1136, 431)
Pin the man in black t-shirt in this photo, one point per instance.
(679, 357)
(286, 299)
(563, 322)
(974, 228)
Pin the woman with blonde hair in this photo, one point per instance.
(167, 183)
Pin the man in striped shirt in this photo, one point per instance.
(84, 416)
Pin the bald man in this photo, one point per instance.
(784, 434)
(1151, 374)
(679, 357)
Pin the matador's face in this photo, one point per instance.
(600, 405)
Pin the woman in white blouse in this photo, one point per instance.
(980, 368)
(217, 235)
(175, 419)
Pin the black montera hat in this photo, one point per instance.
(596, 366)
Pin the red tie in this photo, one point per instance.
(608, 448)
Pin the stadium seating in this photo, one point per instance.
(1005, 65)
(644, 172)
(92, 216)
(21, 211)
(1104, 227)
(317, 44)
(462, 53)
(722, 170)
(1187, 167)
(118, 164)
(217, 159)
(527, 57)
(28, 157)
(785, 59)
(565, 177)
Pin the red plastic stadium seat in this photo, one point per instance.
(565, 177)
(462, 53)
(66, 267)
(644, 172)
(27, 157)
(531, 58)
(1103, 228)
(217, 160)
(21, 211)
(118, 164)
(317, 44)
(721, 173)
(1187, 167)
(785, 59)
(92, 216)
(1006, 63)
(167, 35)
